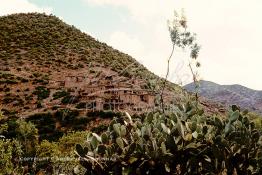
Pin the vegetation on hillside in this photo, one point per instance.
(38, 50)
(45, 40)
(22, 152)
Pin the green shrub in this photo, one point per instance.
(27, 135)
(104, 114)
(80, 123)
(66, 116)
(99, 129)
(46, 150)
(41, 92)
(40, 81)
(45, 123)
(60, 94)
(9, 81)
(56, 151)
(11, 151)
(70, 99)
(12, 125)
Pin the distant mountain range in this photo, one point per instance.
(227, 95)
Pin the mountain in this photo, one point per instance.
(230, 94)
(47, 65)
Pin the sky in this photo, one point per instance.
(229, 32)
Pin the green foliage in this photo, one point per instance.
(70, 99)
(22, 153)
(3, 128)
(45, 123)
(27, 135)
(10, 154)
(15, 99)
(99, 129)
(59, 157)
(9, 78)
(181, 37)
(253, 117)
(47, 150)
(54, 161)
(41, 92)
(3, 125)
(20, 144)
(104, 114)
(65, 116)
(60, 94)
(183, 142)
(68, 141)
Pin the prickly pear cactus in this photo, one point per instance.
(183, 142)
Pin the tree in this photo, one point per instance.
(3, 125)
(10, 151)
(10, 154)
(181, 38)
(59, 157)
(27, 134)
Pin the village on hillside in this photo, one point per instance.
(110, 92)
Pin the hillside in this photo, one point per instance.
(48, 65)
(230, 94)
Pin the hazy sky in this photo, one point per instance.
(230, 33)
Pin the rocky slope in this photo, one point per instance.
(230, 94)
